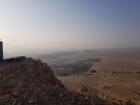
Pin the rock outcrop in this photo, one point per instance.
(25, 81)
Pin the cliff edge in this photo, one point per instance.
(25, 81)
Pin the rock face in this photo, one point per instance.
(25, 81)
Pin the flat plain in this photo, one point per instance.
(117, 78)
(116, 75)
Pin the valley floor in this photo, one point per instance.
(117, 78)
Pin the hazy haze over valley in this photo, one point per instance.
(45, 26)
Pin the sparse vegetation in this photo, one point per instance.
(74, 68)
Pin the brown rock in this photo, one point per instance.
(25, 81)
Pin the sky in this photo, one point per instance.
(42, 26)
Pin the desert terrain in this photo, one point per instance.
(116, 76)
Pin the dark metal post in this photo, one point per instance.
(1, 51)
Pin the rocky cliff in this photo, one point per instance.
(25, 81)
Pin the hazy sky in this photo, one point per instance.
(48, 25)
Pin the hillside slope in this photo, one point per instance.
(25, 81)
